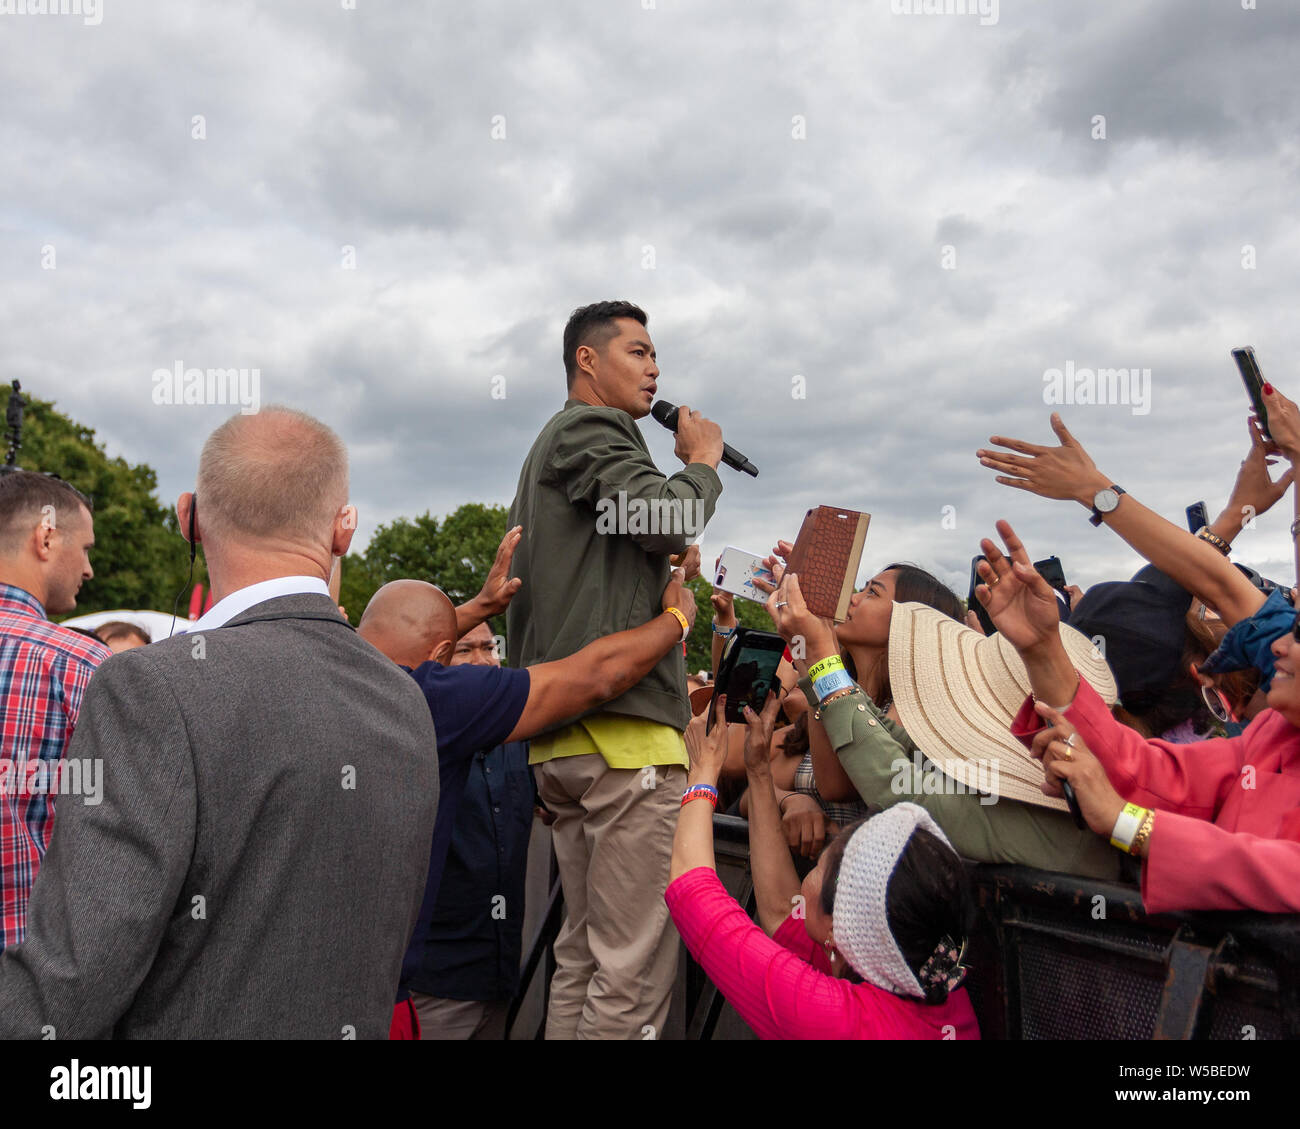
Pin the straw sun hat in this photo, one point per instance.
(957, 692)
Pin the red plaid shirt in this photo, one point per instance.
(44, 670)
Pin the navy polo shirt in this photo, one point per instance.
(474, 708)
(475, 940)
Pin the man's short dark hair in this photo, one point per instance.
(24, 494)
(594, 326)
(120, 629)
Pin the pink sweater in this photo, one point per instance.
(781, 985)
(1228, 832)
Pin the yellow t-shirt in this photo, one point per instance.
(624, 742)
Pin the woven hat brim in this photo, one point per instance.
(957, 692)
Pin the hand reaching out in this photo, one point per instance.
(1021, 604)
(499, 589)
(1254, 488)
(1065, 472)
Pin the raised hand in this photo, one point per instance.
(1065, 473)
(810, 638)
(707, 751)
(1021, 604)
(677, 595)
(758, 735)
(499, 589)
(724, 603)
(1283, 422)
(1254, 487)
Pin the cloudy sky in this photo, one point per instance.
(914, 213)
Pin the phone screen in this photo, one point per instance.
(748, 672)
(1051, 571)
(1254, 382)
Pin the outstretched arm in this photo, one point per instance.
(1067, 473)
(605, 668)
(776, 883)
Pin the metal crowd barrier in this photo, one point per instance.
(1052, 957)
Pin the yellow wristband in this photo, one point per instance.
(1127, 826)
(831, 662)
(686, 627)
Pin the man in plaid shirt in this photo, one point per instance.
(46, 533)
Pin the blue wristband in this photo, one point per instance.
(725, 632)
(828, 684)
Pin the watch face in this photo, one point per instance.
(1105, 501)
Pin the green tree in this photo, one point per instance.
(699, 645)
(455, 554)
(140, 559)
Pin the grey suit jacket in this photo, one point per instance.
(255, 867)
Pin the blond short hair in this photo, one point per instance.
(280, 474)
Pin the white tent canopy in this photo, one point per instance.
(157, 624)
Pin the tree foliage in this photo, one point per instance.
(140, 559)
(455, 554)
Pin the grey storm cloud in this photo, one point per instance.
(908, 217)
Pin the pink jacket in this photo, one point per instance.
(1228, 832)
(782, 985)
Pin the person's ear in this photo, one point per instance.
(443, 652)
(187, 518)
(43, 538)
(1201, 679)
(345, 525)
(588, 361)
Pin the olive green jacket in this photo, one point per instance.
(880, 758)
(600, 521)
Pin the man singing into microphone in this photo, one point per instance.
(600, 523)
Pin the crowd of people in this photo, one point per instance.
(302, 829)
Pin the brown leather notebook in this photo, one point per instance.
(826, 556)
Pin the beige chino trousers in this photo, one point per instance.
(616, 953)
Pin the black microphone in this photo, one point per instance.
(666, 414)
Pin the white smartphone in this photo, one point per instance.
(736, 571)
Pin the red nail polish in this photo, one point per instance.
(1268, 390)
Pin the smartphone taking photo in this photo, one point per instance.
(746, 673)
(1251, 377)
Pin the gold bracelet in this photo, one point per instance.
(1139, 847)
(844, 693)
(1214, 539)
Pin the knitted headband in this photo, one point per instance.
(859, 917)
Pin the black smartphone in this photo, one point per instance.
(746, 672)
(973, 601)
(1254, 382)
(1196, 516)
(1051, 571)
